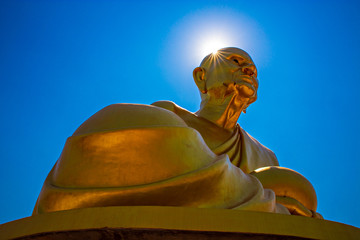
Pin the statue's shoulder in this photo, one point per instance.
(125, 115)
(171, 106)
(189, 117)
(212, 134)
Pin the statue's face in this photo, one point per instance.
(230, 71)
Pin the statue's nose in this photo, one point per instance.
(248, 70)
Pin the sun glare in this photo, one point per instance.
(204, 32)
(210, 40)
(212, 46)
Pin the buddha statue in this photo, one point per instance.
(164, 155)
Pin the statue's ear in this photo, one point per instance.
(199, 78)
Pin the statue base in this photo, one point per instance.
(145, 222)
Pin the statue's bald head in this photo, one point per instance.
(229, 68)
(221, 53)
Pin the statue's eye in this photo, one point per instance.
(236, 60)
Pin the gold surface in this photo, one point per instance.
(180, 218)
(164, 155)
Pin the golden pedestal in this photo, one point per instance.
(172, 223)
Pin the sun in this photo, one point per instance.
(210, 41)
(212, 45)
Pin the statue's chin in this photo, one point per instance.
(245, 91)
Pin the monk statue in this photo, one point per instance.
(164, 155)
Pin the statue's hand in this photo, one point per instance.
(292, 189)
(297, 208)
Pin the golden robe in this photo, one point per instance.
(132, 155)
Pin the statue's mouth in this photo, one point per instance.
(244, 86)
(247, 79)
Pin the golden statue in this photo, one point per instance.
(164, 155)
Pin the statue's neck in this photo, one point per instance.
(224, 113)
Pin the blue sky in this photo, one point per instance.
(62, 61)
